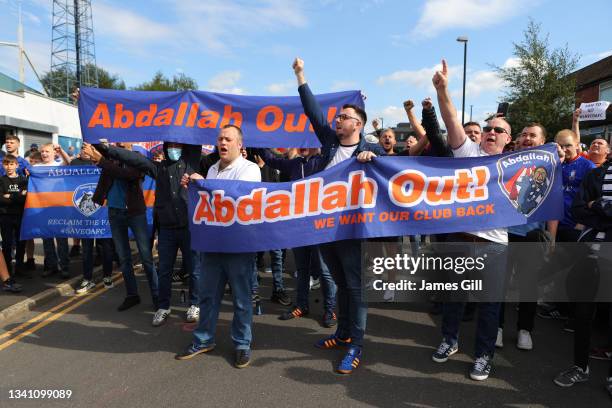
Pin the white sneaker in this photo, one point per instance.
(193, 314)
(389, 295)
(499, 342)
(524, 341)
(314, 283)
(85, 286)
(160, 317)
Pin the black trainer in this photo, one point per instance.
(243, 358)
(279, 296)
(10, 285)
(129, 302)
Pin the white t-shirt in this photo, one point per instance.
(343, 153)
(473, 149)
(239, 169)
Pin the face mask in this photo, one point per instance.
(174, 153)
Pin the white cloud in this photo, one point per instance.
(281, 88)
(226, 82)
(343, 86)
(221, 25)
(392, 115)
(604, 54)
(480, 82)
(420, 78)
(129, 28)
(440, 15)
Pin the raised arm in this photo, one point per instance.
(130, 158)
(456, 135)
(576, 122)
(439, 145)
(311, 106)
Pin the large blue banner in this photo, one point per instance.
(390, 196)
(196, 116)
(59, 204)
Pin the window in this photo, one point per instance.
(605, 91)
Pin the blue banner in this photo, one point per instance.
(59, 204)
(196, 116)
(390, 196)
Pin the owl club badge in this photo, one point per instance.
(526, 178)
(82, 199)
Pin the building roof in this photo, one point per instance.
(12, 85)
(595, 73)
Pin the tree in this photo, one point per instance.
(160, 82)
(59, 83)
(540, 87)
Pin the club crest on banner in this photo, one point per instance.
(526, 178)
(82, 199)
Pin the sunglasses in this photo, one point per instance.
(496, 129)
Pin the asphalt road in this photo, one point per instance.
(117, 359)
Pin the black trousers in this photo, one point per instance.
(10, 225)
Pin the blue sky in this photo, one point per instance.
(387, 48)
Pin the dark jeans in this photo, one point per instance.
(343, 258)
(486, 330)
(170, 240)
(526, 315)
(120, 222)
(276, 264)
(51, 257)
(309, 262)
(9, 228)
(106, 246)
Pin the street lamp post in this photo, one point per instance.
(464, 40)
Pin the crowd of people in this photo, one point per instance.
(587, 191)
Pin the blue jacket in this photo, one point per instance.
(325, 133)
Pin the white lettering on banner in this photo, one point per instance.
(525, 157)
(67, 171)
(593, 110)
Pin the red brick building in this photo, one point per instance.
(594, 83)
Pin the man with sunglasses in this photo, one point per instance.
(494, 137)
(342, 257)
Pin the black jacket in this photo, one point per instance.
(170, 197)
(599, 216)
(14, 187)
(113, 170)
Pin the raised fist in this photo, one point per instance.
(298, 66)
(427, 104)
(408, 105)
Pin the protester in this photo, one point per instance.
(12, 147)
(496, 135)
(54, 261)
(591, 207)
(598, 151)
(221, 268)
(342, 257)
(33, 149)
(13, 190)
(104, 244)
(473, 131)
(171, 212)
(120, 186)
(523, 258)
(8, 283)
(308, 259)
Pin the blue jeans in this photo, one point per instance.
(486, 329)
(489, 305)
(309, 262)
(51, 257)
(88, 257)
(119, 223)
(276, 264)
(343, 259)
(170, 240)
(237, 269)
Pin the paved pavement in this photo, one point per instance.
(109, 359)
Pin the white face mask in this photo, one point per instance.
(174, 153)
